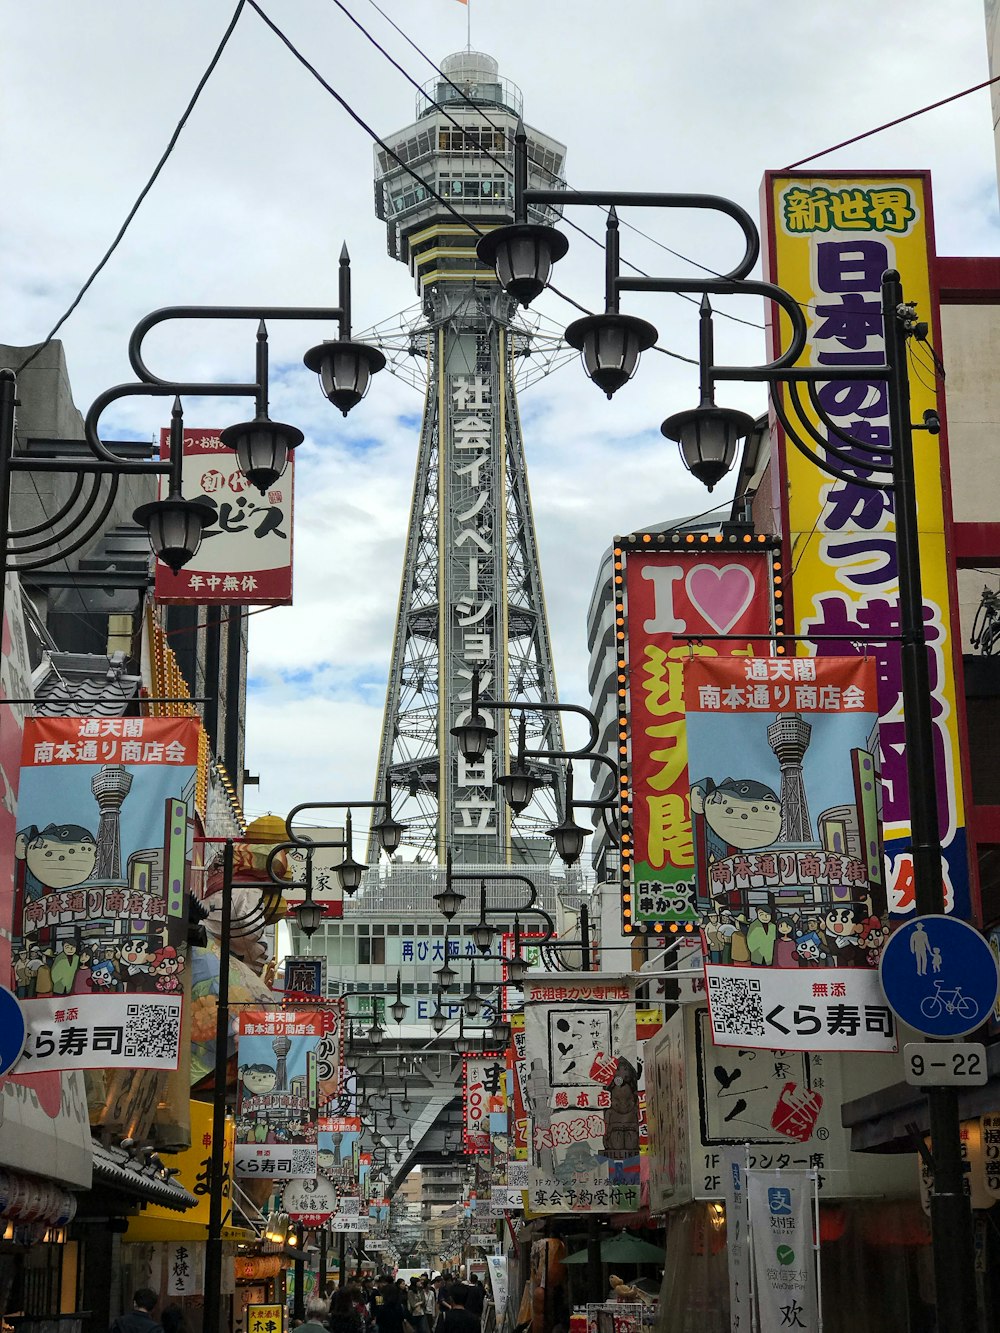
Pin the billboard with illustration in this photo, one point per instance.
(670, 589)
(102, 856)
(785, 802)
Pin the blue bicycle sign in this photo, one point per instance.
(939, 976)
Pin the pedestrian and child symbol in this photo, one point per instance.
(939, 975)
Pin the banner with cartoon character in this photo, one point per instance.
(278, 1097)
(582, 1084)
(788, 849)
(102, 856)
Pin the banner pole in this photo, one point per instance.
(755, 1321)
(816, 1256)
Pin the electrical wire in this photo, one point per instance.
(143, 192)
(916, 367)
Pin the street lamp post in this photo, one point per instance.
(708, 435)
(175, 524)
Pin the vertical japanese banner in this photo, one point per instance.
(102, 856)
(788, 850)
(276, 1111)
(830, 240)
(734, 1192)
(483, 1096)
(185, 1267)
(245, 557)
(672, 594)
(582, 1083)
(781, 1239)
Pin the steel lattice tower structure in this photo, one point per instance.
(471, 593)
(788, 736)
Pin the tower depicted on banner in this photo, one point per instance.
(471, 595)
(110, 785)
(788, 736)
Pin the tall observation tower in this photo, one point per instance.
(471, 593)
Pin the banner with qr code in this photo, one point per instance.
(785, 799)
(101, 1032)
(777, 1009)
(583, 1093)
(101, 865)
(277, 1107)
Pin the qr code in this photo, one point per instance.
(303, 1161)
(736, 1006)
(152, 1031)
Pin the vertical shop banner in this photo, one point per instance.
(582, 1082)
(781, 1207)
(734, 1192)
(672, 596)
(830, 240)
(245, 557)
(484, 1095)
(102, 857)
(785, 805)
(278, 1097)
(185, 1267)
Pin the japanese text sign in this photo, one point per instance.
(830, 241)
(483, 1095)
(101, 883)
(781, 1242)
(278, 1102)
(245, 557)
(672, 595)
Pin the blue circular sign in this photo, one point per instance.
(939, 976)
(13, 1030)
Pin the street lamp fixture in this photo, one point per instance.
(522, 253)
(446, 975)
(308, 915)
(349, 871)
(449, 900)
(501, 1032)
(472, 1003)
(482, 931)
(569, 837)
(519, 785)
(345, 368)
(475, 734)
(399, 1006)
(438, 1020)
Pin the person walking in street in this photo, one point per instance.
(416, 1306)
(315, 1321)
(139, 1319)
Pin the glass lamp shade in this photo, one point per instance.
(308, 915)
(501, 1033)
(345, 370)
(350, 873)
(262, 448)
(472, 1004)
(610, 346)
(175, 527)
(569, 838)
(482, 936)
(474, 737)
(463, 1044)
(449, 902)
(518, 788)
(446, 975)
(438, 1021)
(398, 1011)
(375, 1034)
(523, 255)
(517, 968)
(708, 437)
(389, 832)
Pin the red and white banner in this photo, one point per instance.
(245, 557)
(483, 1095)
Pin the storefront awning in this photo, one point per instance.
(115, 1169)
(890, 1119)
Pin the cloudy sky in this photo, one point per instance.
(271, 175)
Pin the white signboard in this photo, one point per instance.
(343, 1222)
(101, 1032)
(282, 1161)
(806, 1009)
(245, 555)
(185, 1267)
(781, 1238)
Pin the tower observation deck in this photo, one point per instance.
(471, 592)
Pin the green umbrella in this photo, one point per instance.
(622, 1249)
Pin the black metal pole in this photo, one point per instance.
(951, 1211)
(321, 1279)
(299, 1298)
(213, 1244)
(585, 937)
(342, 1259)
(8, 397)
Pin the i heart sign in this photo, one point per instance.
(721, 595)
